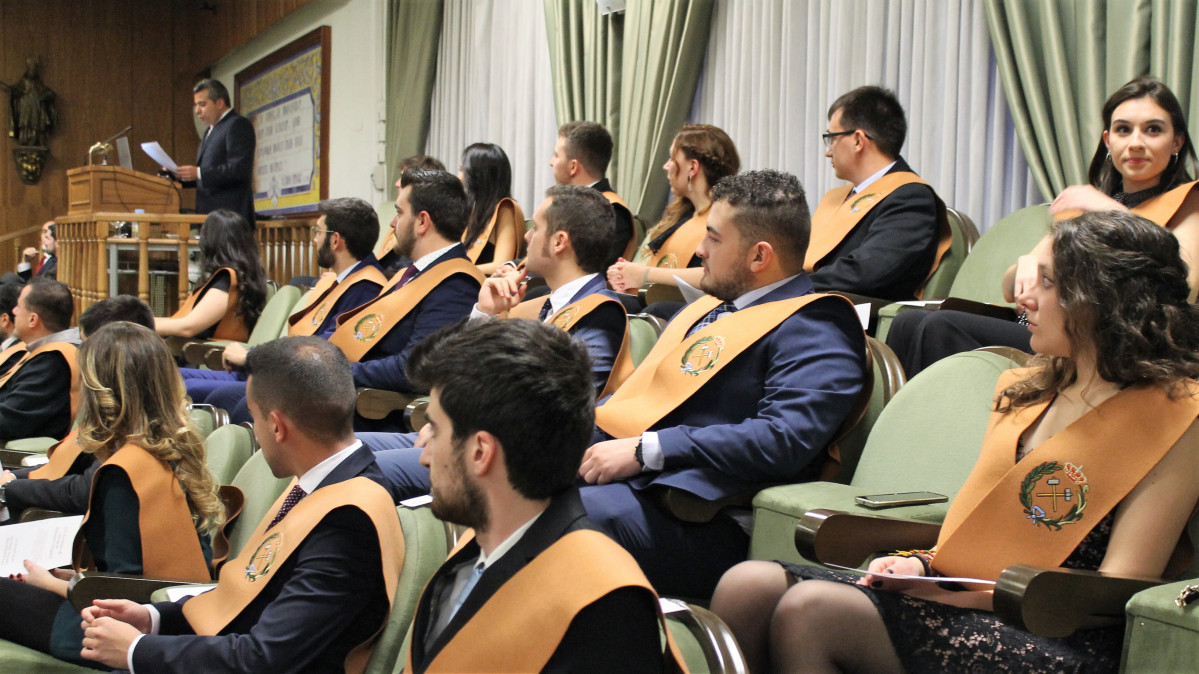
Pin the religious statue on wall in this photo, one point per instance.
(33, 117)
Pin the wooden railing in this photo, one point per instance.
(286, 248)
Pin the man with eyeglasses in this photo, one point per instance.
(883, 235)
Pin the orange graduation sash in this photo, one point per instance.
(328, 291)
(62, 457)
(506, 215)
(679, 365)
(1037, 511)
(836, 216)
(268, 549)
(614, 199)
(18, 347)
(1160, 209)
(68, 352)
(170, 545)
(522, 624)
(360, 328)
(231, 327)
(677, 251)
(570, 315)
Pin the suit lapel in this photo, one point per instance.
(594, 285)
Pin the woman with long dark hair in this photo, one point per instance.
(227, 304)
(1108, 410)
(1144, 163)
(495, 226)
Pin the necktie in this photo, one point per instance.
(40, 261)
(409, 272)
(545, 311)
(466, 588)
(725, 308)
(293, 497)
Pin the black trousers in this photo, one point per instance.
(921, 338)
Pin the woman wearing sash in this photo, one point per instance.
(153, 502)
(496, 225)
(1108, 409)
(1142, 163)
(227, 304)
(700, 155)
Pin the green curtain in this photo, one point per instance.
(413, 31)
(664, 46)
(585, 61)
(1059, 60)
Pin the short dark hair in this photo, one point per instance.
(421, 161)
(877, 112)
(111, 309)
(539, 402)
(53, 227)
(441, 195)
(9, 292)
(51, 301)
(215, 90)
(355, 220)
(590, 143)
(286, 372)
(769, 206)
(587, 217)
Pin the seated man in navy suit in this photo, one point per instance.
(313, 585)
(744, 388)
(534, 587)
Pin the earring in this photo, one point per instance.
(1109, 157)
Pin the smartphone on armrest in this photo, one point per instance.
(907, 498)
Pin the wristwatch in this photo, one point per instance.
(4, 501)
(636, 455)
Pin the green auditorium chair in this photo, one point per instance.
(228, 448)
(705, 642)
(888, 378)
(927, 438)
(270, 322)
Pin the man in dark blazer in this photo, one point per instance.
(581, 157)
(224, 171)
(35, 393)
(42, 262)
(329, 595)
(890, 252)
(765, 414)
(490, 471)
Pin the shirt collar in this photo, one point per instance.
(500, 550)
(562, 296)
(348, 270)
(70, 335)
(316, 475)
(427, 260)
(758, 293)
(226, 114)
(857, 189)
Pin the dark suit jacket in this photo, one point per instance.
(325, 599)
(358, 294)
(226, 161)
(49, 270)
(67, 494)
(601, 330)
(36, 401)
(770, 412)
(888, 254)
(624, 227)
(451, 301)
(618, 633)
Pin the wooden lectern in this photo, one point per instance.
(117, 189)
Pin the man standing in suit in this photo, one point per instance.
(581, 157)
(534, 587)
(315, 581)
(885, 235)
(746, 387)
(224, 174)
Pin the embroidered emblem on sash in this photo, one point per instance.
(264, 557)
(320, 313)
(564, 319)
(864, 200)
(367, 327)
(1058, 501)
(669, 261)
(702, 355)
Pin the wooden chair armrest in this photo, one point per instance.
(979, 308)
(415, 415)
(95, 585)
(831, 536)
(715, 639)
(691, 508)
(213, 358)
(373, 403)
(11, 459)
(659, 292)
(35, 514)
(1056, 602)
(193, 352)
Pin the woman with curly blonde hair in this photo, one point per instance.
(153, 503)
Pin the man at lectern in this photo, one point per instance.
(223, 176)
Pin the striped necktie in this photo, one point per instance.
(725, 308)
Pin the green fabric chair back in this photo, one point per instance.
(996, 250)
(206, 418)
(425, 549)
(963, 234)
(228, 449)
(274, 315)
(301, 301)
(643, 333)
(261, 488)
(888, 378)
(20, 659)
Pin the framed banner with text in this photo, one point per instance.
(286, 96)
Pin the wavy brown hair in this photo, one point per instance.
(1122, 287)
(131, 393)
(717, 156)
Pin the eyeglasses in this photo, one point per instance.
(316, 230)
(829, 136)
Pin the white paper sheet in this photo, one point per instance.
(922, 579)
(47, 542)
(863, 311)
(160, 155)
(177, 592)
(690, 292)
